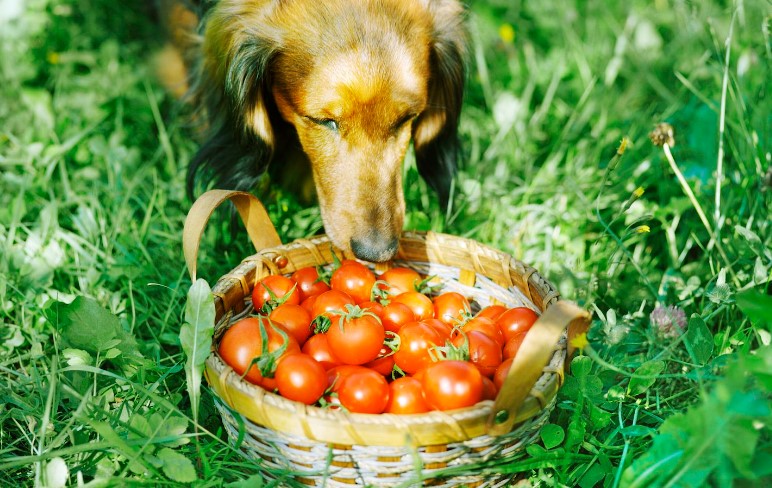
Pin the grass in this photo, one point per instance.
(92, 160)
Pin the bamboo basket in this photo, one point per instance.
(336, 449)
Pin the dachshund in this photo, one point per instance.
(325, 92)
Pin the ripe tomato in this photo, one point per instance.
(357, 339)
(372, 307)
(308, 303)
(273, 289)
(449, 385)
(486, 326)
(331, 304)
(309, 283)
(406, 396)
(445, 330)
(513, 345)
(516, 320)
(242, 343)
(489, 389)
(484, 352)
(295, 319)
(355, 279)
(384, 363)
(336, 375)
(451, 307)
(395, 315)
(364, 392)
(318, 348)
(492, 312)
(420, 304)
(501, 373)
(300, 378)
(415, 340)
(399, 280)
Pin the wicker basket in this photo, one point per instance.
(332, 448)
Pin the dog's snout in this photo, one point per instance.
(374, 247)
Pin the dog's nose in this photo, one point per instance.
(374, 248)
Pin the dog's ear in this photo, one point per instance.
(435, 133)
(231, 90)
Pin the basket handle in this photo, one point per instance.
(259, 226)
(528, 365)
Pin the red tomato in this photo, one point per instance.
(451, 307)
(308, 303)
(449, 385)
(406, 396)
(308, 282)
(484, 352)
(486, 326)
(336, 375)
(415, 340)
(399, 280)
(384, 363)
(395, 315)
(273, 289)
(501, 373)
(301, 378)
(515, 321)
(242, 343)
(295, 319)
(372, 307)
(364, 392)
(513, 345)
(356, 340)
(355, 279)
(445, 330)
(420, 304)
(489, 389)
(331, 304)
(492, 312)
(318, 348)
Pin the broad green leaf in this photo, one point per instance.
(698, 340)
(592, 477)
(196, 338)
(644, 377)
(254, 481)
(176, 466)
(580, 366)
(552, 435)
(756, 306)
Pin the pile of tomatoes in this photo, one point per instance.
(349, 339)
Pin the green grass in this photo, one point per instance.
(92, 164)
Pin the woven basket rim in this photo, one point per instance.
(433, 428)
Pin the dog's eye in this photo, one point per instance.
(401, 122)
(326, 123)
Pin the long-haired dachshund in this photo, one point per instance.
(333, 89)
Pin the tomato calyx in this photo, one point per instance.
(352, 312)
(427, 285)
(275, 300)
(380, 292)
(266, 362)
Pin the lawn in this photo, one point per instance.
(666, 241)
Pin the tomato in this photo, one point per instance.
(406, 396)
(395, 315)
(399, 280)
(274, 289)
(516, 320)
(295, 319)
(415, 341)
(489, 389)
(364, 392)
(242, 343)
(336, 375)
(484, 352)
(513, 345)
(301, 378)
(501, 373)
(384, 363)
(308, 304)
(420, 304)
(445, 330)
(355, 279)
(492, 312)
(486, 326)
(358, 339)
(331, 304)
(309, 283)
(449, 385)
(372, 307)
(318, 348)
(451, 307)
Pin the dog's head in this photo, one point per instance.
(356, 80)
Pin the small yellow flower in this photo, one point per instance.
(507, 33)
(642, 229)
(623, 145)
(580, 341)
(52, 58)
(638, 192)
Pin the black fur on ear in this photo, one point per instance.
(435, 134)
(229, 87)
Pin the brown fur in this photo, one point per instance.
(340, 87)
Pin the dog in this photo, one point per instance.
(328, 94)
